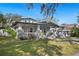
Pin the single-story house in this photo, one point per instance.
(31, 25)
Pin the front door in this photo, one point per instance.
(31, 30)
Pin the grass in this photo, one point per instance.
(13, 47)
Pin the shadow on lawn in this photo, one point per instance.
(13, 47)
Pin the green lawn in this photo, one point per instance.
(13, 47)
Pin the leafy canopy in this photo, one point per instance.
(47, 9)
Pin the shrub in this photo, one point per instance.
(42, 36)
(74, 32)
(10, 31)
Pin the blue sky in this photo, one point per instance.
(66, 13)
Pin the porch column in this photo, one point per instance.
(38, 32)
(38, 27)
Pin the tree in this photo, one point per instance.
(47, 9)
(54, 20)
(12, 18)
(78, 19)
(74, 32)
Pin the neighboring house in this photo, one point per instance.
(69, 26)
(77, 25)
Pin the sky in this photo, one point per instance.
(65, 13)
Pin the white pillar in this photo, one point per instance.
(38, 27)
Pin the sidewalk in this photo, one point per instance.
(76, 54)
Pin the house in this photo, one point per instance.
(30, 28)
(27, 24)
(27, 27)
(31, 25)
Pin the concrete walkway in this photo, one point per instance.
(74, 38)
(76, 54)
